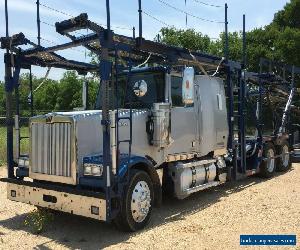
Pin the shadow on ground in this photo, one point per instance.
(78, 232)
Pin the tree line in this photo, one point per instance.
(53, 95)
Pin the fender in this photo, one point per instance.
(143, 164)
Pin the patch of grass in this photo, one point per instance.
(24, 145)
(38, 220)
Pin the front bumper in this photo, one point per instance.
(79, 202)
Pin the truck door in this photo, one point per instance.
(183, 121)
(212, 122)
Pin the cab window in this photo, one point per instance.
(176, 91)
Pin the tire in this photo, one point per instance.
(138, 193)
(268, 167)
(284, 162)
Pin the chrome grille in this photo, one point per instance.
(51, 149)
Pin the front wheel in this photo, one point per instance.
(136, 205)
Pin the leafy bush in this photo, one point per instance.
(38, 220)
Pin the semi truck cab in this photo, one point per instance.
(169, 129)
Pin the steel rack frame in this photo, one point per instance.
(276, 82)
(112, 49)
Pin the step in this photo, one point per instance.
(127, 141)
(201, 187)
(124, 118)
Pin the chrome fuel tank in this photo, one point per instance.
(191, 174)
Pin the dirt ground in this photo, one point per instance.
(212, 219)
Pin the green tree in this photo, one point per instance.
(287, 46)
(289, 16)
(189, 39)
(69, 92)
(44, 95)
(93, 83)
(52, 95)
(235, 45)
(279, 40)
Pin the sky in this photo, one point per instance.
(124, 16)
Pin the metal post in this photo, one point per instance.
(17, 123)
(291, 138)
(105, 73)
(158, 38)
(31, 92)
(87, 95)
(85, 90)
(229, 83)
(242, 92)
(9, 103)
(133, 32)
(140, 20)
(226, 52)
(231, 99)
(259, 106)
(117, 108)
(108, 15)
(38, 20)
(244, 41)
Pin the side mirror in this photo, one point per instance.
(188, 85)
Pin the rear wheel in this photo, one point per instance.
(268, 165)
(136, 206)
(284, 161)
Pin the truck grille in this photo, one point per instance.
(51, 149)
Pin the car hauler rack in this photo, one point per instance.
(273, 86)
(145, 144)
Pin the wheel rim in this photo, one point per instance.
(140, 201)
(271, 160)
(285, 156)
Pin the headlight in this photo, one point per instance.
(92, 169)
(87, 169)
(97, 170)
(27, 163)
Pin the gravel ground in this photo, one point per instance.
(212, 219)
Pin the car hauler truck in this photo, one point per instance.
(177, 125)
